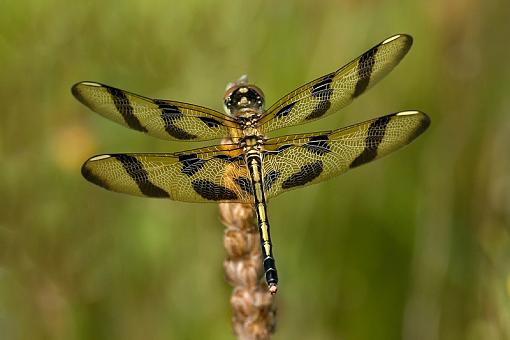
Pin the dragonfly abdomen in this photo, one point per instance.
(254, 162)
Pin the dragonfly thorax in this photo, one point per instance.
(251, 143)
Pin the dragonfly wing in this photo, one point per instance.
(164, 119)
(295, 161)
(335, 90)
(214, 174)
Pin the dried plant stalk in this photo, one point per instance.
(252, 304)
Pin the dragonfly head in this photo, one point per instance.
(242, 98)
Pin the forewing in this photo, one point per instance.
(295, 161)
(335, 90)
(214, 174)
(164, 119)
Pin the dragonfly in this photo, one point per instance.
(251, 168)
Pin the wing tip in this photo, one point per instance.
(403, 36)
(425, 118)
(422, 125)
(98, 157)
(85, 83)
(88, 174)
(425, 122)
(77, 89)
(409, 113)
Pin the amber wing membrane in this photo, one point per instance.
(213, 174)
(164, 119)
(295, 161)
(335, 90)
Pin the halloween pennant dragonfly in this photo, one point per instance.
(251, 168)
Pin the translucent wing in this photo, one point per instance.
(164, 119)
(214, 174)
(335, 90)
(294, 161)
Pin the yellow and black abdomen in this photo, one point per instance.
(254, 163)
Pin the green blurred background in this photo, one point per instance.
(414, 246)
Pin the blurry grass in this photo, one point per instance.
(414, 246)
